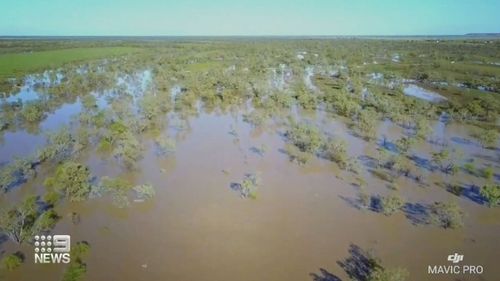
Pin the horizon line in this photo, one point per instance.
(268, 35)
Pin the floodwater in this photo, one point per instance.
(421, 93)
(198, 228)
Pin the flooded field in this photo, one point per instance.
(265, 163)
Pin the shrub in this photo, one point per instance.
(364, 198)
(492, 194)
(118, 189)
(488, 173)
(367, 123)
(336, 150)
(18, 171)
(295, 154)
(77, 267)
(144, 191)
(391, 204)
(304, 136)
(248, 187)
(470, 168)
(129, 150)
(447, 215)
(404, 144)
(422, 128)
(72, 179)
(165, 145)
(33, 112)
(59, 146)
(256, 118)
(383, 274)
(488, 138)
(12, 261)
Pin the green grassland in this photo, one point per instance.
(15, 64)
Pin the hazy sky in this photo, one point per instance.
(252, 17)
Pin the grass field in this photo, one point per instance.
(15, 64)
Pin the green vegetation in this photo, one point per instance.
(12, 261)
(382, 274)
(148, 96)
(14, 64)
(144, 192)
(72, 179)
(26, 219)
(447, 215)
(77, 267)
(306, 137)
(336, 151)
(492, 194)
(248, 186)
(390, 204)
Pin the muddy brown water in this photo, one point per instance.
(198, 228)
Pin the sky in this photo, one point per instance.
(248, 17)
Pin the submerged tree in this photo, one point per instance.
(72, 179)
(27, 219)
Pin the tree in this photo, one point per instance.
(23, 221)
(71, 179)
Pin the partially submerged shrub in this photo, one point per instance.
(391, 204)
(364, 198)
(128, 150)
(77, 267)
(492, 194)
(367, 124)
(256, 118)
(336, 150)
(305, 136)
(118, 189)
(488, 138)
(33, 111)
(296, 155)
(144, 191)
(18, 171)
(12, 261)
(470, 168)
(488, 173)
(383, 274)
(165, 145)
(422, 128)
(71, 179)
(447, 215)
(59, 146)
(248, 187)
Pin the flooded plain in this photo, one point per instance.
(304, 217)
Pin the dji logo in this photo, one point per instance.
(52, 249)
(455, 258)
